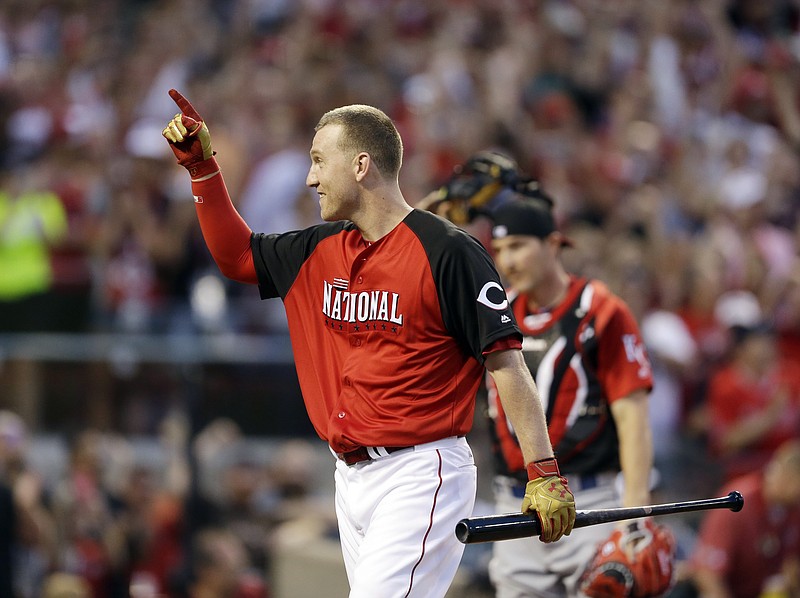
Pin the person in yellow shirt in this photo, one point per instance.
(32, 220)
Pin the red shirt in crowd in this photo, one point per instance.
(733, 397)
(747, 547)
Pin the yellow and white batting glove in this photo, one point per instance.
(190, 140)
(548, 495)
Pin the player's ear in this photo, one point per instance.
(361, 165)
(556, 240)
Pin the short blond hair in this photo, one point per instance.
(367, 129)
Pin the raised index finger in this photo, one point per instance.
(186, 107)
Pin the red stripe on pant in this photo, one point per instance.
(430, 524)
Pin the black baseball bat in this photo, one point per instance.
(492, 528)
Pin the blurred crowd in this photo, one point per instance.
(668, 134)
(666, 131)
(99, 517)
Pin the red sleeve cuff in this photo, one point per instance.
(507, 342)
(543, 468)
(204, 168)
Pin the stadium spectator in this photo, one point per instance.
(28, 539)
(32, 221)
(752, 402)
(746, 554)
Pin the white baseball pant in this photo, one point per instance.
(397, 517)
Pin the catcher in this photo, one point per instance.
(583, 347)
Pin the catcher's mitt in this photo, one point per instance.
(637, 562)
(473, 185)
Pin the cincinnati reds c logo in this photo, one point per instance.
(483, 297)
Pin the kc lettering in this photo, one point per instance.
(635, 352)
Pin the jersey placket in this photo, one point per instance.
(355, 328)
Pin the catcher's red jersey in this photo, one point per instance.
(388, 337)
(584, 354)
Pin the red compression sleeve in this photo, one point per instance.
(225, 232)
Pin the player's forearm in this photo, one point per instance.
(520, 398)
(225, 232)
(635, 447)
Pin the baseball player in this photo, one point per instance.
(393, 315)
(583, 347)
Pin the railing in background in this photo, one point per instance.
(122, 381)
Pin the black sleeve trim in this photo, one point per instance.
(464, 272)
(279, 257)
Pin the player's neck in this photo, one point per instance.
(550, 293)
(382, 211)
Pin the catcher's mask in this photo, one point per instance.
(475, 184)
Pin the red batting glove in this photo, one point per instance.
(190, 140)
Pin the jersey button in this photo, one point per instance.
(341, 414)
(355, 342)
(360, 279)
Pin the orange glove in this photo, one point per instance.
(190, 140)
(548, 495)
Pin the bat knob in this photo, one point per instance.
(737, 501)
(462, 531)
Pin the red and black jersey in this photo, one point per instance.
(584, 354)
(388, 336)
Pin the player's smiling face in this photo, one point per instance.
(521, 259)
(332, 174)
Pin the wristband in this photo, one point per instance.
(203, 169)
(543, 468)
